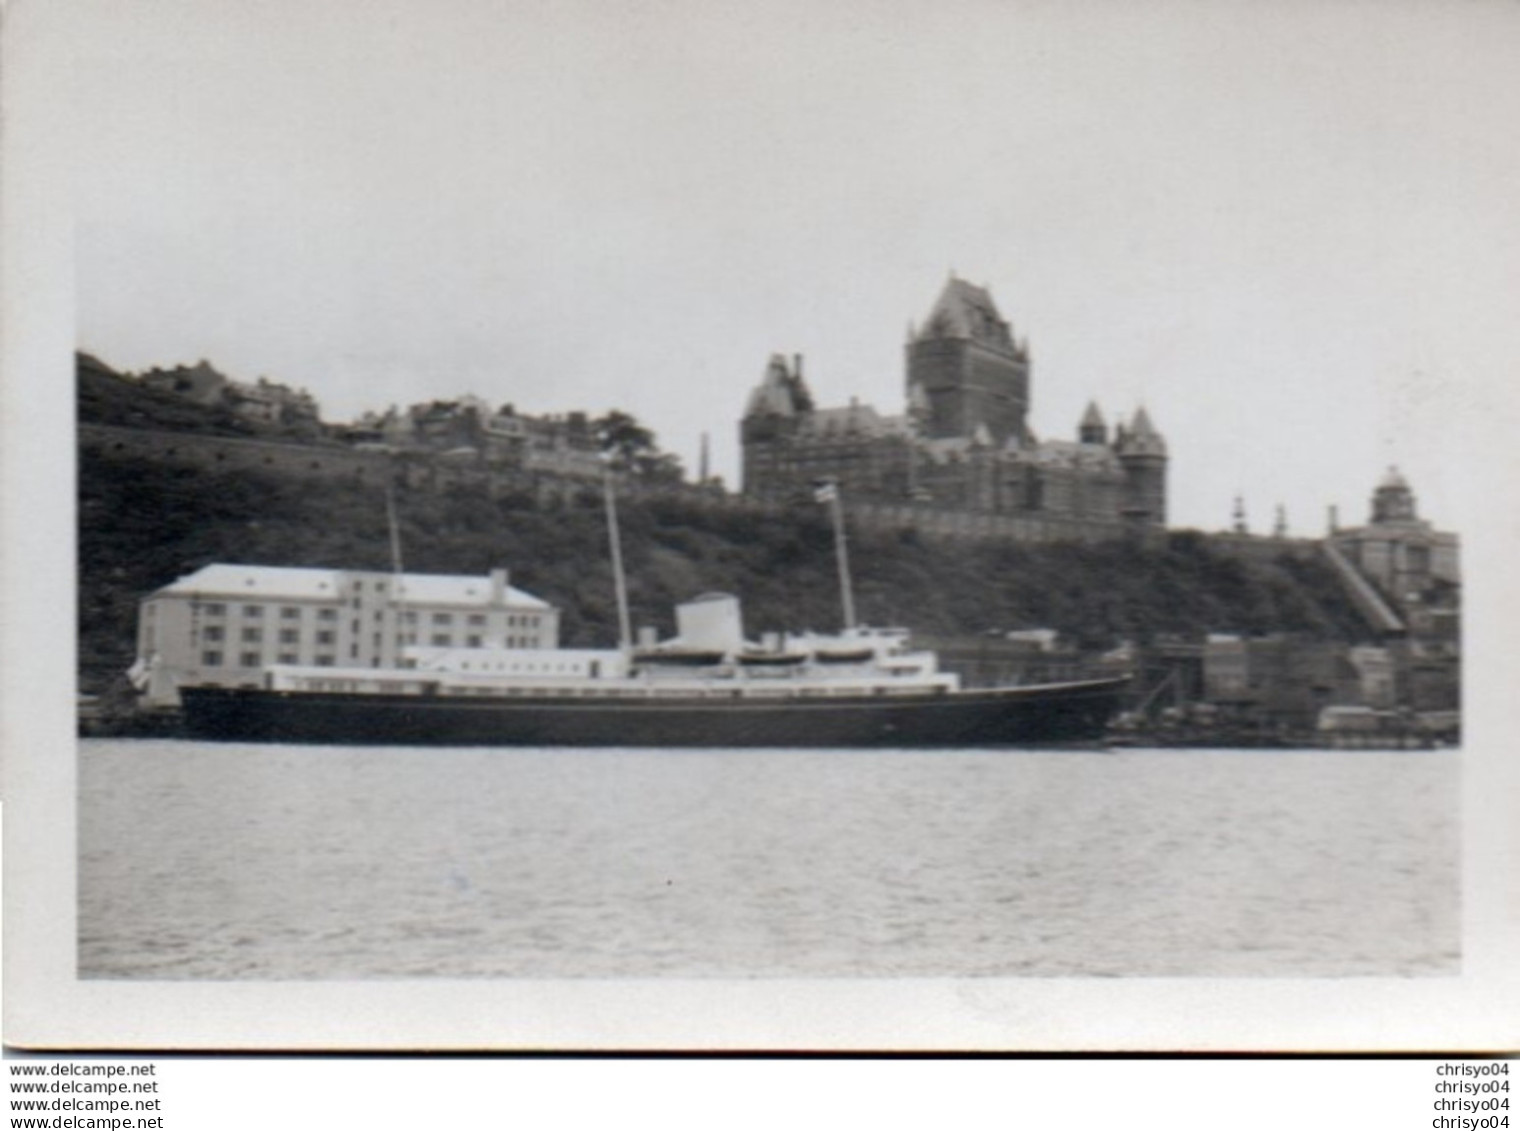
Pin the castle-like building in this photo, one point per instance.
(964, 442)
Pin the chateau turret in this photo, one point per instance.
(1142, 454)
(1092, 430)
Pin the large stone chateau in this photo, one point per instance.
(964, 442)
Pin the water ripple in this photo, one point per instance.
(223, 862)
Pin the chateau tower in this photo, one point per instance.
(966, 369)
(1092, 429)
(771, 421)
(1142, 454)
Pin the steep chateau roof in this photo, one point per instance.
(293, 583)
(852, 419)
(965, 310)
(941, 449)
(1141, 438)
(1092, 418)
(780, 392)
(1069, 453)
(1393, 480)
(1047, 454)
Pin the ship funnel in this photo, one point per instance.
(712, 620)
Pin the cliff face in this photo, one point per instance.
(144, 522)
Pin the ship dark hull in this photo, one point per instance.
(1028, 716)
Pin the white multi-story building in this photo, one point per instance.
(224, 624)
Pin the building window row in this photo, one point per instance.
(292, 635)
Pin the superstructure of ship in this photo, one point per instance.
(709, 686)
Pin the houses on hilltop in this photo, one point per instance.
(567, 445)
(260, 402)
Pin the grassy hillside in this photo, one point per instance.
(142, 524)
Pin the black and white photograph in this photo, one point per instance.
(859, 526)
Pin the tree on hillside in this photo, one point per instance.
(632, 448)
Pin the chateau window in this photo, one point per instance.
(252, 635)
(474, 641)
(325, 661)
(477, 619)
(442, 640)
(289, 636)
(443, 618)
(249, 660)
(327, 614)
(289, 658)
(211, 659)
(216, 609)
(214, 632)
(325, 637)
(289, 612)
(253, 610)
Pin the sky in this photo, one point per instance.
(1285, 229)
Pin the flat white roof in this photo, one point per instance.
(301, 584)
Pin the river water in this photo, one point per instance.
(206, 861)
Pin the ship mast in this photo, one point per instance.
(620, 585)
(827, 491)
